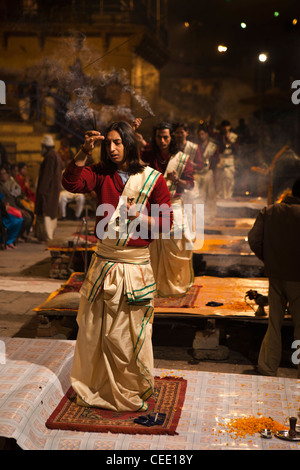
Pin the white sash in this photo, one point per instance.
(138, 188)
(114, 250)
(176, 163)
(190, 149)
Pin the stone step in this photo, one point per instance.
(9, 129)
(26, 147)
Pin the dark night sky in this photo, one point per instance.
(214, 22)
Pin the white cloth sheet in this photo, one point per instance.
(34, 375)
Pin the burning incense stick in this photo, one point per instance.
(95, 121)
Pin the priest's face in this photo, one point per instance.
(203, 135)
(163, 139)
(115, 149)
(181, 135)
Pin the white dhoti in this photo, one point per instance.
(225, 173)
(65, 197)
(172, 258)
(205, 193)
(113, 361)
(45, 227)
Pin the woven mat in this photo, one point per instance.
(186, 301)
(62, 299)
(168, 398)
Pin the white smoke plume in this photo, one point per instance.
(85, 92)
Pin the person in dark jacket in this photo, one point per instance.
(48, 189)
(274, 238)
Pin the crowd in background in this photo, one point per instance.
(29, 209)
(222, 160)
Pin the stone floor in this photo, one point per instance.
(25, 284)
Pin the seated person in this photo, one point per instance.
(23, 180)
(11, 221)
(65, 152)
(13, 195)
(65, 198)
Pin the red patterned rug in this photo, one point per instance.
(66, 299)
(186, 301)
(168, 399)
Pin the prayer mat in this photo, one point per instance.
(75, 242)
(67, 298)
(168, 399)
(186, 301)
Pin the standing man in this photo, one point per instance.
(172, 258)
(205, 174)
(228, 145)
(47, 193)
(185, 145)
(113, 361)
(274, 239)
(190, 148)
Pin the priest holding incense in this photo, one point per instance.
(113, 360)
(171, 257)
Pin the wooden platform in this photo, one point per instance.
(229, 292)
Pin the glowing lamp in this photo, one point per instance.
(262, 57)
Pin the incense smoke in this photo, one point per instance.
(87, 100)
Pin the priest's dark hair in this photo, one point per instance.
(173, 149)
(130, 143)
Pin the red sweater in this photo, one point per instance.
(155, 161)
(109, 187)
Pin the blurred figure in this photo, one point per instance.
(171, 258)
(47, 193)
(184, 145)
(140, 141)
(245, 182)
(13, 196)
(205, 174)
(225, 171)
(24, 99)
(12, 223)
(34, 110)
(3, 157)
(274, 238)
(24, 182)
(190, 148)
(64, 152)
(243, 132)
(65, 197)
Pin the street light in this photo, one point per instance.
(263, 57)
(222, 48)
